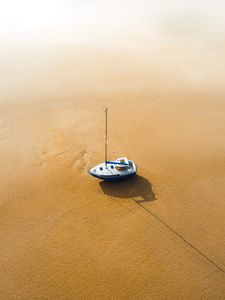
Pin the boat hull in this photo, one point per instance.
(114, 178)
(114, 170)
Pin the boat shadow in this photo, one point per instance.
(138, 188)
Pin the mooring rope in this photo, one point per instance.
(180, 236)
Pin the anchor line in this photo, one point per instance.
(180, 236)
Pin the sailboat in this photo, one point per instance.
(119, 169)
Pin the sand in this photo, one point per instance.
(160, 235)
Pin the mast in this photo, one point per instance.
(106, 134)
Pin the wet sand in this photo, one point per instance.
(66, 235)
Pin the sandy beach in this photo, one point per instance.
(160, 72)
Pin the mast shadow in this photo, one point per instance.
(138, 188)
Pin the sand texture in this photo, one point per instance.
(160, 235)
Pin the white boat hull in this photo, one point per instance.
(114, 171)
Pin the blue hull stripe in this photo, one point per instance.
(114, 178)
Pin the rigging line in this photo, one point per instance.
(180, 236)
(118, 137)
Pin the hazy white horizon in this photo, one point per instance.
(182, 40)
(51, 22)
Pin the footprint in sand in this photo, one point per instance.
(81, 161)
